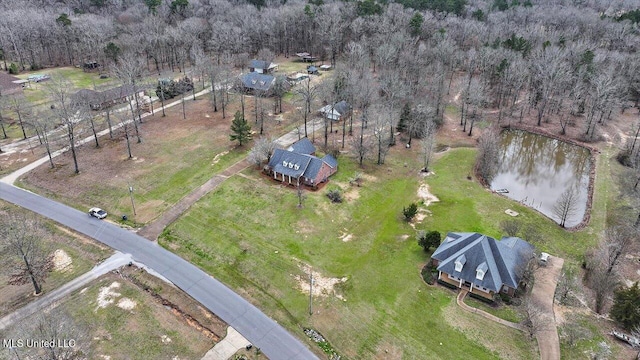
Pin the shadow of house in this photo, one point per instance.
(298, 166)
(262, 66)
(481, 264)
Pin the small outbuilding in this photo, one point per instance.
(262, 66)
(336, 112)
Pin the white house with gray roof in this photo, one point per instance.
(482, 264)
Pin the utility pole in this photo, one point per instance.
(310, 291)
(131, 196)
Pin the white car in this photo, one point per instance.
(97, 213)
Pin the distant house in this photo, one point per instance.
(325, 67)
(306, 57)
(298, 166)
(312, 70)
(90, 66)
(336, 112)
(262, 67)
(97, 100)
(254, 81)
(297, 77)
(9, 84)
(481, 264)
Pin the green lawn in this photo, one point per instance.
(504, 312)
(250, 234)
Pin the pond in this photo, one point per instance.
(537, 170)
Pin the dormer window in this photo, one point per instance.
(460, 261)
(290, 165)
(481, 270)
(296, 166)
(285, 164)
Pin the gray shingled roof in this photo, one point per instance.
(257, 81)
(289, 163)
(502, 259)
(260, 64)
(342, 107)
(330, 160)
(303, 146)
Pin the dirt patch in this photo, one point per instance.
(107, 295)
(388, 351)
(346, 237)
(216, 158)
(62, 261)
(126, 304)
(322, 286)
(426, 196)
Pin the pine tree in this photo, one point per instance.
(240, 129)
(626, 307)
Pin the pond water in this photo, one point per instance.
(536, 170)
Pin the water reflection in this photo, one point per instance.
(536, 170)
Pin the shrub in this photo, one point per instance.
(335, 195)
(410, 212)
(428, 275)
(13, 69)
(429, 239)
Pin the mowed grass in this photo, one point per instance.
(250, 234)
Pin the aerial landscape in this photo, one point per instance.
(366, 179)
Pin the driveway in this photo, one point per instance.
(544, 288)
(272, 339)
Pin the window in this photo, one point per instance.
(285, 164)
(460, 261)
(481, 270)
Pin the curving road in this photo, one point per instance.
(272, 339)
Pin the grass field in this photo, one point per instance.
(250, 234)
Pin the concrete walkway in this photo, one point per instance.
(546, 279)
(227, 346)
(460, 300)
(49, 300)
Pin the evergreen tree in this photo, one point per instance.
(240, 129)
(405, 115)
(626, 307)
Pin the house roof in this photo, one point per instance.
(261, 64)
(303, 146)
(289, 163)
(501, 259)
(7, 82)
(257, 81)
(336, 110)
(330, 160)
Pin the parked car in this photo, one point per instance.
(97, 213)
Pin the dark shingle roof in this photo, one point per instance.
(260, 64)
(342, 107)
(257, 81)
(330, 160)
(303, 146)
(289, 163)
(502, 259)
(314, 167)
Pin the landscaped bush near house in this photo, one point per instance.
(481, 298)
(335, 195)
(428, 273)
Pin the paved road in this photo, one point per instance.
(50, 299)
(274, 341)
(542, 294)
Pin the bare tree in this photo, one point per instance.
(44, 126)
(428, 139)
(307, 93)
(511, 226)
(129, 70)
(535, 319)
(19, 105)
(488, 154)
(380, 131)
(261, 151)
(67, 112)
(20, 240)
(567, 283)
(566, 206)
